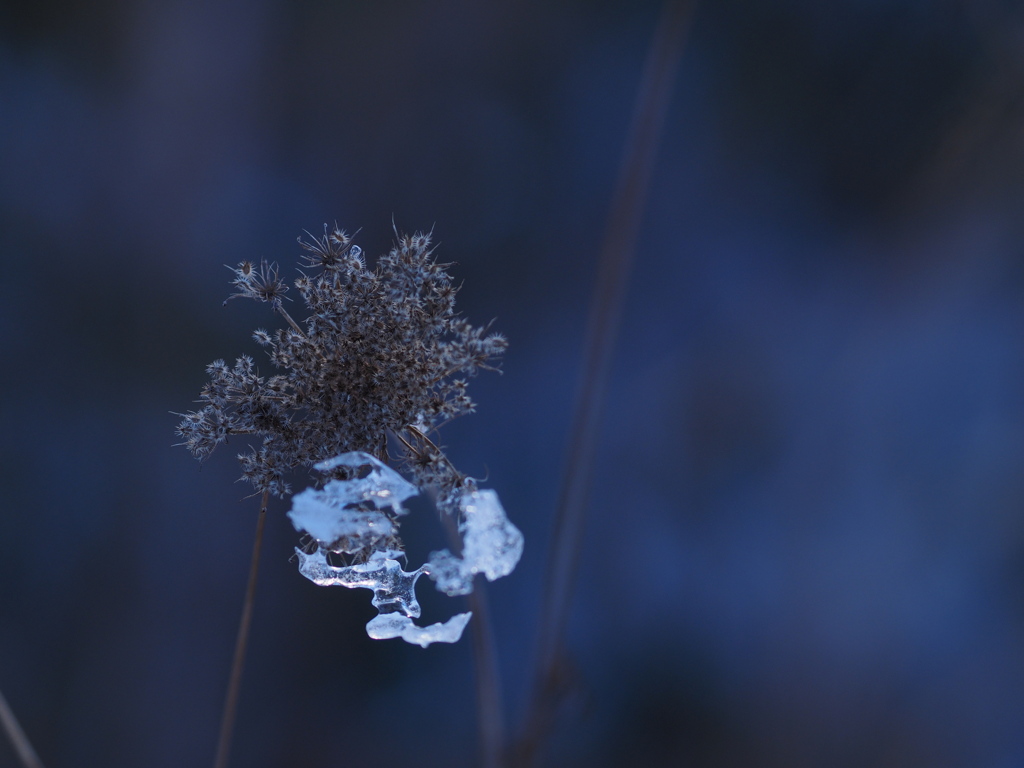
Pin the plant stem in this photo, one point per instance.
(227, 723)
(295, 326)
(490, 712)
(488, 680)
(616, 259)
(22, 745)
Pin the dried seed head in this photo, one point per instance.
(262, 285)
(377, 353)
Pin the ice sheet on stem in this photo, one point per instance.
(393, 588)
(381, 486)
(491, 545)
(394, 595)
(384, 626)
(337, 515)
(360, 516)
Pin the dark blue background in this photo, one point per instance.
(805, 545)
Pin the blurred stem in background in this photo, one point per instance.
(14, 732)
(227, 723)
(617, 252)
(491, 717)
(490, 712)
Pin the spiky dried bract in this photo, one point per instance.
(261, 284)
(379, 351)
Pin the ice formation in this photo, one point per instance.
(491, 545)
(384, 626)
(360, 516)
(337, 516)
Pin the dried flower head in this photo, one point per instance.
(262, 284)
(381, 351)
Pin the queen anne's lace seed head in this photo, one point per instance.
(380, 349)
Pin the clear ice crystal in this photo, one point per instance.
(357, 516)
(394, 596)
(449, 573)
(491, 545)
(393, 588)
(384, 626)
(382, 486)
(337, 517)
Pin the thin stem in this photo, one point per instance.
(423, 438)
(295, 326)
(490, 712)
(227, 723)
(406, 443)
(616, 259)
(14, 732)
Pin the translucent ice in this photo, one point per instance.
(340, 529)
(337, 516)
(393, 588)
(394, 595)
(491, 545)
(387, 625)
(359, 516)
(382, 485)
(449, 573)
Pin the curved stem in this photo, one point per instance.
(614, 266)
(227, 723)
(424, 439)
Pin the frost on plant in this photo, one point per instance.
(359, 516)
(384, 626)
(394, 596)
(346, 515)
(377, 365)
(491, 545)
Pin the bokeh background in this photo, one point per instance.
(805, 542)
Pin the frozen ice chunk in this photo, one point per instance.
(449, 573)
(358, 516)
(382, 486)
(337, 515)
(387, 625)
(393, 588)
(491, 545)
(323, 517)
(394, 595)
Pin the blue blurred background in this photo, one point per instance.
(805, 545)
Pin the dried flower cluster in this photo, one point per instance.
(377, 354)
